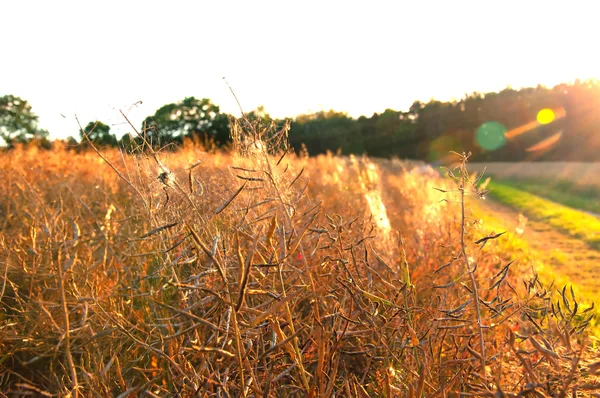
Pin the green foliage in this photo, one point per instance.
(191, 118)
(99, 134)
(388, 134)
(71, 141)
(18, 123)
(129, 143)
(326, 131)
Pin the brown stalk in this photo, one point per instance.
(469, 268)
(245, 267)
(67, 323)
(208, 253)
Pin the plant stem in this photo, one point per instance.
(470, 270)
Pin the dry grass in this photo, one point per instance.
(258, 273)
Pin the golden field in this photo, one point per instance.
(256, 272)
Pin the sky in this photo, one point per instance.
(96, 58)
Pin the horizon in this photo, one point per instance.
(355, 59)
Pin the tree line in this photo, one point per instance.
(426, 131)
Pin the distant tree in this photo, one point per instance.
(430, 130)
(388, 123)
(18, 124)
(129, 143)
(99, 134)
(391, 135)
(192, 118)
(260, 118)
(71, 141)
(326, 131)
(259, 114)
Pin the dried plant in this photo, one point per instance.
(262, 273)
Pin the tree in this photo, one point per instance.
(99, 134)
(193, 118)
(18, 124)
(326, 131)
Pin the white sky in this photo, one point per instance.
(94, 58)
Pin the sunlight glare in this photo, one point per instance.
(545, 144)
(491, 135)
(545, 116)
(556, 114)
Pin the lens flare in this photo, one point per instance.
(546, 144)
(491, 135)
(440, 147)
(545, 116)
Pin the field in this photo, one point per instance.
(256, 272)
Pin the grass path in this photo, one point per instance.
(574, 223)
(567, 194)
(557, 255)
